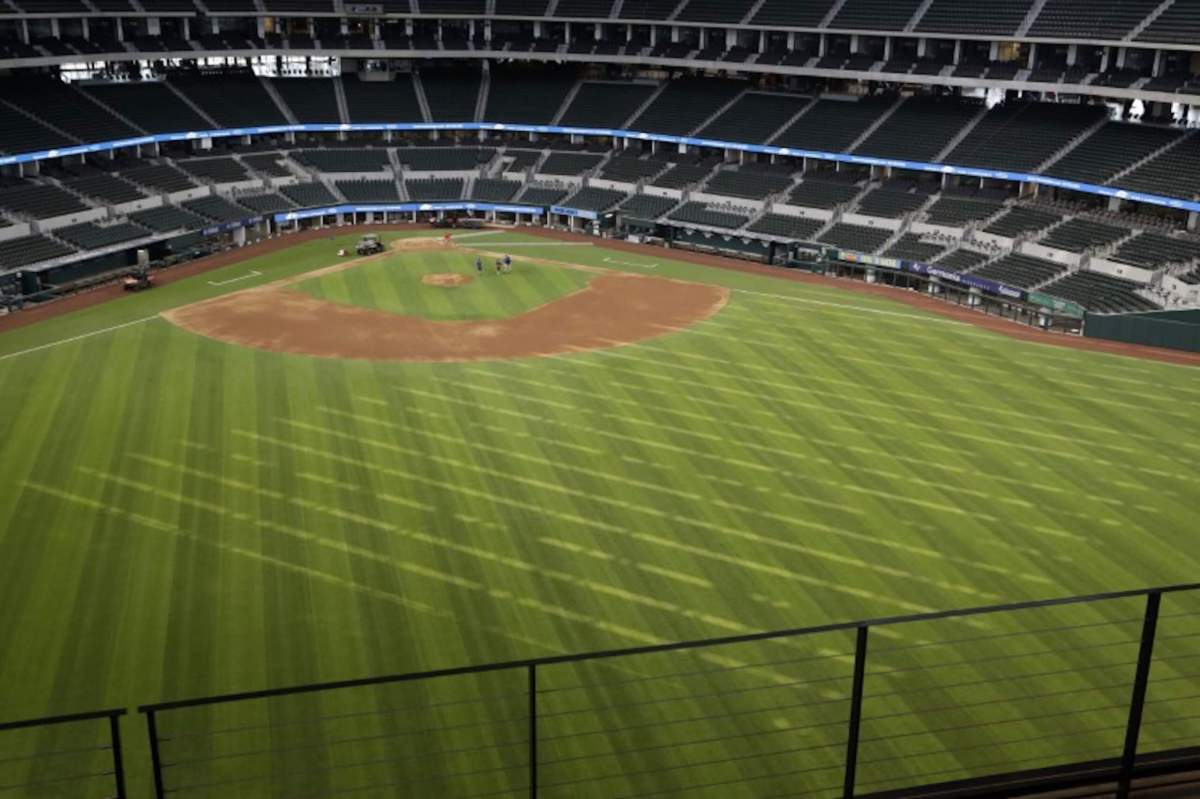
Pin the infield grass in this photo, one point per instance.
(182, 517)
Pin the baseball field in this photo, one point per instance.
(303, 468)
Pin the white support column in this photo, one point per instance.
(1072, 54)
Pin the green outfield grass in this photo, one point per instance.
(183, 517)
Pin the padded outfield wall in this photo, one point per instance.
(1177, 330)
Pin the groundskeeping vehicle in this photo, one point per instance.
(369, 245)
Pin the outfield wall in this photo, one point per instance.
(1176, 330)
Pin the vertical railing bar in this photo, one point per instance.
(533, 738)
(1137, 701)
(855, 721)
(114, 732)
(155, 758)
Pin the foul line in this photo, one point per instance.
(76, 338)
(534, 244)
(252, 273)
(630, 263)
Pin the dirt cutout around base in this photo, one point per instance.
(613, 310)
(447, 279)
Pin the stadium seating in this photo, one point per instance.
(701, 214)
(64, 108)
(569, 163)
(919, 129)
(753, 118)
(26, 250)
(309, 195)
(268, 203)
(159, 178)
(751, 184)
(884, 15)
(233, 101)
(444, 159)
(789, 227)
(311, 100)
(717, 12)
(1100, 293)
(1081, 235)
(542, 195)
(858, 238)
(493, 190)
(105, 188)
(1175, 172)
(519, 160)
(149, 105)
(1178, 24)
(511, 100)
(961, 260)
(647, 9)
(996, 18)
(911, 247)
(646, 206)
(584, 8)
(791, 13)
(1021, 136)
(166, 219)
(890, 204)
(1020, 271)
(605, 105)
(432, 189)
(685, 104)
(630, 168)
(382, 101)
(451, 94)
(368, 191)
(833, 125)
(1112, 149)
(344, 160)
(956, 211)
(39, 202)
(90, 236)
(269, 164)
(1153, 250)
(815, 193)
(680, 176)
(1091, 19)
(595, 199)
(1022, 220)
(218, 170)
(20, 134)
(215, 209)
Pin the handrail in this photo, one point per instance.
(658, 648)
(766, 149)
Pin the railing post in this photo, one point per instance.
(856, 701)
(114, 731)
(1137, 702)
(533, 739)
(155, 758)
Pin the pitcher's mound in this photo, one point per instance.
(447, 279)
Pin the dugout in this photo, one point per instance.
(1176, 330)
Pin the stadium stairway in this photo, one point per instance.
(192, 105)
(962, 134)
(874, 126)
(716, 114)
(1160, 151)
(422, 100)
(485, 86)
(1145, 23)
(339, 94)
(566, 103)
(917, 16)
(1071, 145)
(1034, 12)
(273, 93)
(637, 112)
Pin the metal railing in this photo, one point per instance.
(84, 760)
(1055, 689)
